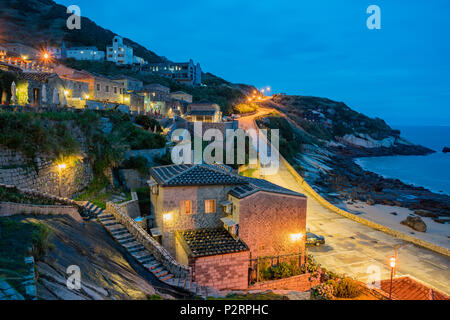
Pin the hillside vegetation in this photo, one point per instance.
(63, 134)
(335, 119)
(43, 22)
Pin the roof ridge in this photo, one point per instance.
(182, 172)
(216, 167)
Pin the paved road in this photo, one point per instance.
(352, 248)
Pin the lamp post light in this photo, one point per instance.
(61, 166)
(392, 264)
(296, 237)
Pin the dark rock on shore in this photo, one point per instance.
(446, 150)
(415, 223)
(398, 149)
(426, 213)
(350, 181)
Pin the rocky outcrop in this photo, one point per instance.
(415, 223)
(105, 272)
(446, 150)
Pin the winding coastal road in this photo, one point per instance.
(354, 249)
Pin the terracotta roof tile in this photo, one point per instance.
(208, 242)
(406, 288)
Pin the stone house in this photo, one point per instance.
(100, 88)
(31, 85)
(187, 73)
(204, 112)
(129, 83)
(156, 98)
(135, 101)
(181, 96)
(193, 206)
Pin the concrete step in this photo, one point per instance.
(140, 254)
(108, 219)
(162, 273)
(125, 240)
(96, 210)
(146, 259)
(105, 215)
(110, 223)
(132, 244)
(158, 269)
(125, 237)
(152, 266)
(115, 227)
(169, 279)
(137, 250)
(89, 206)
(119, 232)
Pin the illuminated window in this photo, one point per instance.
(186, 206)
(210, 206)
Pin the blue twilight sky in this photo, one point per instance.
(400, 73)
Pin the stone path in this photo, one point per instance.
(144, 257)
(355, 249)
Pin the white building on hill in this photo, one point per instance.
(86, 53)
(118, 52)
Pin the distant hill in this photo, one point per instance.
(38, 23)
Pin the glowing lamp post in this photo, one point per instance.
(61, 166)
(296, 237)
(392, 264)
(167, 217)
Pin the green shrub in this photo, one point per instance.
(148, 123)
(41, 241)
(245, 108)
(346, 288)
(279, 271)
(138, 163)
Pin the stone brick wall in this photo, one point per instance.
(267, 221)
(169, 201)
(42, 174)
(298, 283)
(227, 271)
(131, 208)
(10, 209)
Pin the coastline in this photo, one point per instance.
(340, 180)
(419, 171)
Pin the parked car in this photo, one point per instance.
(314, 240)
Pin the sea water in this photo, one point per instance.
(430, 171)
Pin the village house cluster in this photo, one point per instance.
(53, 84)
(217, 222)
(206, 216)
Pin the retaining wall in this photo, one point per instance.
(301, 282)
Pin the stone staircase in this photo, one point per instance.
(91, 209)
(145, 258)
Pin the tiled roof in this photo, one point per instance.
(198, 174)
(202, 112)
(218, 174)
(208, 242)
(406, 288)
(254, 185)
(35, 76)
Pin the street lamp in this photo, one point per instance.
(392, 264)
(61, 166)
